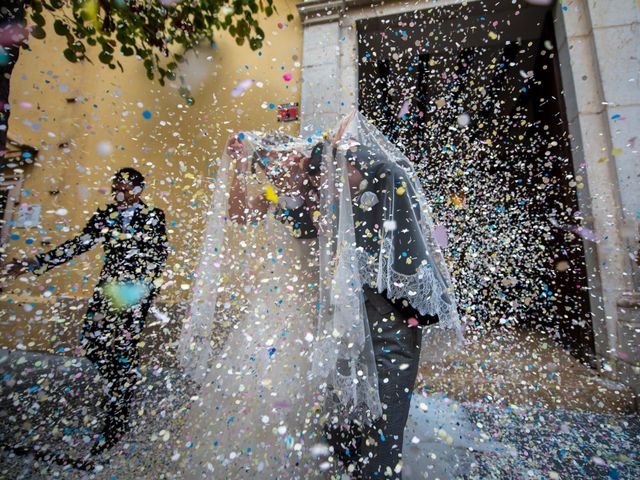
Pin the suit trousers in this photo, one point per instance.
(110, 340)
(397, 353)
(375, 451)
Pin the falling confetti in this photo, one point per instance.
(104, 148)
(243, 86)
(271, 195)
(468, 98)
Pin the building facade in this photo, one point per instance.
(597, 48)
(84, 122)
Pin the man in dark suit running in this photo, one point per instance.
(134, 239)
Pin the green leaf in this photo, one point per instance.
(60, 28)
(77, 47)
(148, 30)
(70, 55)
(36, 6)
(198, 22)
(255, 43)
(105, 57)
(38, 19)
(243, 28)
(122, 35)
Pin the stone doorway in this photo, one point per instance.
(481, 112)
(597, 52)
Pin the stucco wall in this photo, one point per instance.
(105, 130)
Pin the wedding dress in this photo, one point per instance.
(256, 415)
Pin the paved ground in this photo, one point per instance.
(559, 443)
(47, 404)
(525, 368)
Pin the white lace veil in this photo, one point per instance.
(397, 251)
(229, 250)
(196, 345)
(386, 242)
(343, 353)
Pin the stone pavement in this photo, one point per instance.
(47, 402)
(524, 368)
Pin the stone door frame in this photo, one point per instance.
(330, 88)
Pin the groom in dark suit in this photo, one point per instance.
(373, 451)
(134, 239)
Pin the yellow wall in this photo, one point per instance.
(172, 149)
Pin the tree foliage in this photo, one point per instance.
(158, 32)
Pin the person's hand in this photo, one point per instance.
(343, 127)
(235, 149)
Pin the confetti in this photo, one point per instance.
(440, 234)
(104, 148)
(513, 204)
(243, 86)
(404, 109)
(271, 195)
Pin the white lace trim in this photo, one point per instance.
(423, 289)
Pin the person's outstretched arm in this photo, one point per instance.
(91, 235)
(243, 207)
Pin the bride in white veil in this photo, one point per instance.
(274, 355)
(247, 341)
(278, 334)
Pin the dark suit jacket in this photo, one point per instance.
(135, 252)
(303, 227)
